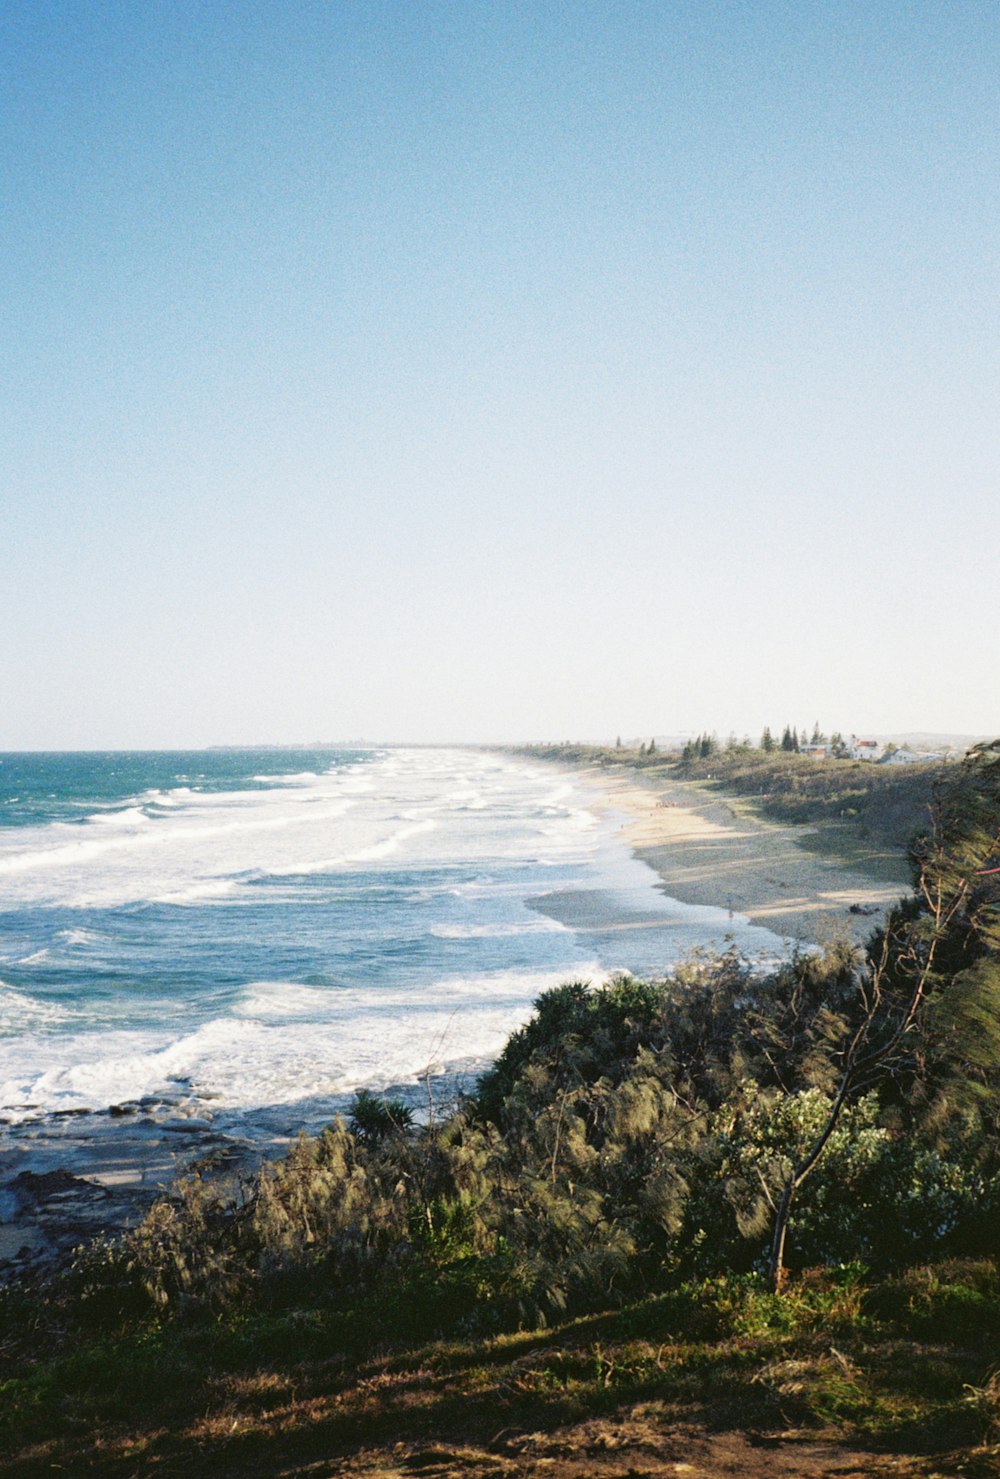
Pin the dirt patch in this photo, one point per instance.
(636, 1443)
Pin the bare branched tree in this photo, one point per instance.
(950, 924)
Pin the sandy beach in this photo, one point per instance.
(74, 1174)
(708, 852)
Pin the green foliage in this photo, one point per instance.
(906, 1365)
(628, 1134)
(954, 913)
(627, 1149)
(574, 1027)
(881, 805)
(372, 1118)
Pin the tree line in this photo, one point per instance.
(791, 741)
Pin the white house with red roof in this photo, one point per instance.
(864, 749)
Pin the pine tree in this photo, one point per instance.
(767, 740)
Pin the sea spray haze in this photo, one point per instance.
(274, 927)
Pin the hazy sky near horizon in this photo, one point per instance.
(465, 370)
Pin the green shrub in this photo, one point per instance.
(372, 1118)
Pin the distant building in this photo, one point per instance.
(818, 752)
(864, 749)
(905, 756)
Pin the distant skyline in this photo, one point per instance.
(474, 372)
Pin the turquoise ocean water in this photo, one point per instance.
(269, 928)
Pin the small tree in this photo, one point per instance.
(372, 1119)
(944, 944)
(767, 740)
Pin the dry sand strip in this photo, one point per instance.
(707, 853)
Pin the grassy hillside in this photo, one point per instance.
(840, 1376)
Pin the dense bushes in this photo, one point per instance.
(631, 1136)
(637, 1134)
(631, 1147)
(883, 804)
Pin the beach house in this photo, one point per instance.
(864, 749)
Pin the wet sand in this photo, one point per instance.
(707, 851)
(66, 1178)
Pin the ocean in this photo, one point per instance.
(265, 931)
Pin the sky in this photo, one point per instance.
(492, 371)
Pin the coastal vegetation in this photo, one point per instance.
(842, 804)
(736, 1199)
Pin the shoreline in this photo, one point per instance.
(707, 852)
(76, 1174)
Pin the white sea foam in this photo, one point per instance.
(79, 937)
(197, 893)
(275, 1000)
(280, 1047)
(70, 855)
(301, 778)
(456, 846)
(391, 844)
(156, 797)
(200, 847)
(539, 926)
(129, 816)
(21, 1012)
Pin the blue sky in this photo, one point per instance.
(483, 371)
